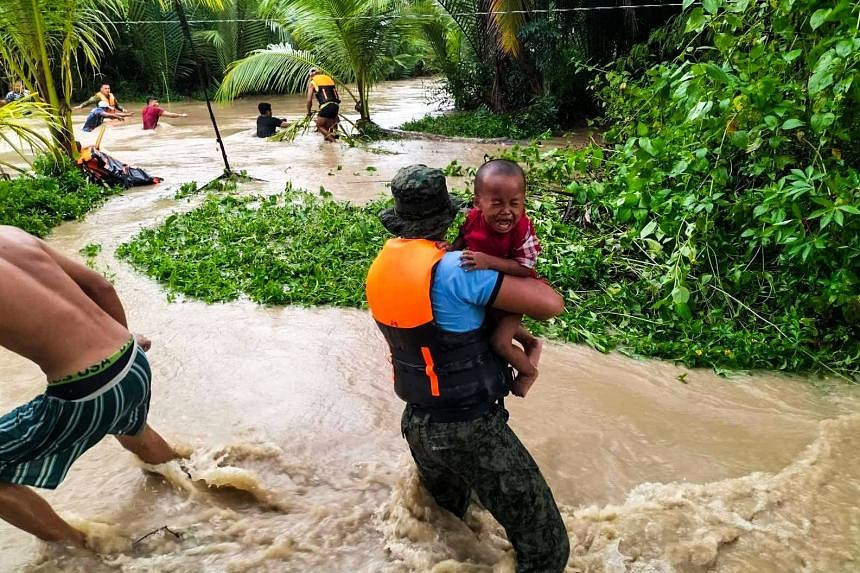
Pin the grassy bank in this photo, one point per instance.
(53, 195)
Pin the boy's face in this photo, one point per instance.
(502, 201)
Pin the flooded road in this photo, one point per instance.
(297, 462)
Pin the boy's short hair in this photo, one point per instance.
(151, 99)
(503, 167)
(264, 107)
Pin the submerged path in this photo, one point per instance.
(298, 462)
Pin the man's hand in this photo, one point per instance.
(473, 260)
(444, 246)
(142, 341)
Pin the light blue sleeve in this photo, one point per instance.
(459, 296)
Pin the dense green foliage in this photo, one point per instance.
(529, 123)
(55, 194)
(295, 248)
(508, 54)
(726, 215)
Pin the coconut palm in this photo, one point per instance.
(159, 47)
(346, 39)
(240, 31)
(42, 42)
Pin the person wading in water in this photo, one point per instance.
(327, 116)
(69, 321)
(431, 312)
(103, 95)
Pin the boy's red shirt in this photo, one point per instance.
(520, 243)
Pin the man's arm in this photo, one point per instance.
(527, 296)
(310, 98)
(172, 114)
(89, 101)
(92, 283)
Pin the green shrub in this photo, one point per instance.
(725, 217)
(55, 194)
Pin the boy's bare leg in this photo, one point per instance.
(507, 327)
(531, 344)
(25, 509)
(149, 446)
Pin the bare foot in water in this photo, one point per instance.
(523, 383)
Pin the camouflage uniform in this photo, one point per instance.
(485, 456)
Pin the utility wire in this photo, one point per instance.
(384, 17)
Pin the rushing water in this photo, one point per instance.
(292, 426)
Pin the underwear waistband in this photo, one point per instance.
(97, 377)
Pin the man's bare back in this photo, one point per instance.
(48, 308)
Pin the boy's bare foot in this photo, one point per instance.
(523, 383)
(533, 350)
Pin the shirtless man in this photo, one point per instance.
(67, 319)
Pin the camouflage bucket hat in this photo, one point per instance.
(422, 206)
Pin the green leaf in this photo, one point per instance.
(695, 21)
(821, 121)
(740, 139)
(699, 110)
(822, 74)
(683, 311)
(792, 55)
(680, 295)
(717, 73)
(679, 168)
(686, 4)
(710, 6)
(647, 229)
(771, 121)
(849, 209)
(844, 47)
(819, 17)
(792, 123)
(645, 144)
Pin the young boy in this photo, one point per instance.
(498, 235)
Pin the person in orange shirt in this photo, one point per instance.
(327, 118)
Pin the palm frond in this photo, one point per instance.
(278, 68)
(507, 19)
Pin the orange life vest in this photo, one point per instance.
(109, 99)
(324, 89)
(433, 368)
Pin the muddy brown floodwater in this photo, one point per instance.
(292, 427)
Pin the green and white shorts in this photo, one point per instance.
(40, 440)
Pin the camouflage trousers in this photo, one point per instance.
(484, 456)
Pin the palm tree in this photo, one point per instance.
(42, 42)
(159, 47)
(346, 39)
(240, 31)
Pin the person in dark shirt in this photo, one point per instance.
(266, 124)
